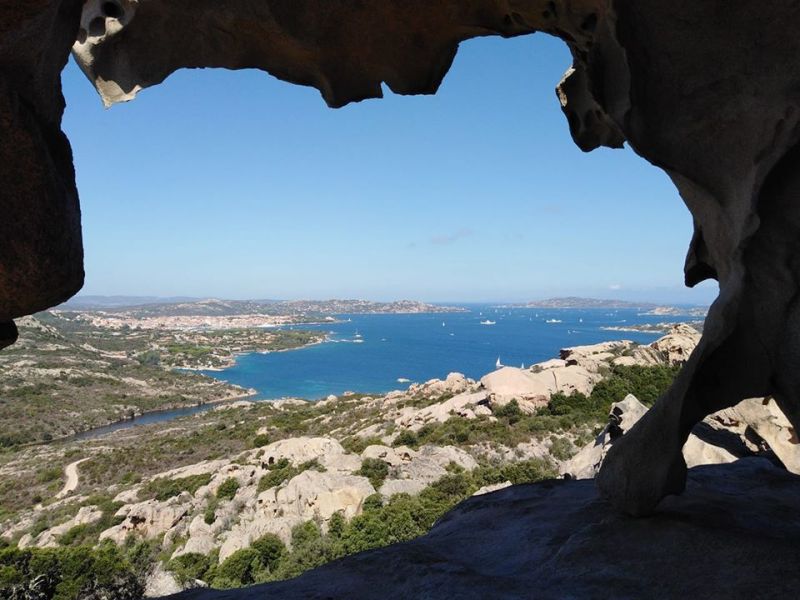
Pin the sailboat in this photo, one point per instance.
(488, 322)
(498, 364)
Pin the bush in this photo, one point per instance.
(190, 567)
(227, 489)
(561, 448)
(373, 502)
(511, 412)
(261, 439)
(163, 489)
(357, 444)
(238, 569)
(375, 470)
(270, 550)
(283, 471)
(646, 383)
(76, 573)
(305, 533)
(406, 438)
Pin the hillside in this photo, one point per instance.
(65, 375)
(287, 486)
(300, 309)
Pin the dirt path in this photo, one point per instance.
(71, 471)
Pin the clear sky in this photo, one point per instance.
(236, 185)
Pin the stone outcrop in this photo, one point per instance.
(148, 519)
(759, 422)
(580, 368)
(50, 537)
(558, 539)
(532, 389)
(326, 451)
(623, 416)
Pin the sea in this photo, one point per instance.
(377, 353)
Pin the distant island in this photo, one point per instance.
(584, 303)
(212, 307)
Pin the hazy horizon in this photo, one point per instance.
(171, 299)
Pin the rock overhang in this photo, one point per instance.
(705, 92)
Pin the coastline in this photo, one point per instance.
(87, 433)
(231, 361)
(251, 393)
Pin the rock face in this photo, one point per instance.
(41, 251)
(624, 415)
(558, 539)
(532, 389)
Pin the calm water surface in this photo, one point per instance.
(380, 353)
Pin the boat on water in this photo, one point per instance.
(488, 322)
(554, 321)
(403, 380)
(498, 364)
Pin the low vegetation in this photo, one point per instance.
(399, 519)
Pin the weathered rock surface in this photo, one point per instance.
(50, 537)
(733, 534)
(326, 451)
(760, 421)
(148, 519)
(41, 254)
(624, 415)
(531, 389)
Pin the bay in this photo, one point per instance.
(382, 352)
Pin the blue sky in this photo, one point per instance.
(237, 185)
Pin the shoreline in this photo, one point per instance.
(235, 356)
(79, 435)
(251, 393)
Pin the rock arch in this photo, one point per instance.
(707, 91)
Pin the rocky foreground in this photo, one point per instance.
(733, 534)
(337, 463)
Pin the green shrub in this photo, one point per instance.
(561, 448)
(282, 471)
(270, 549)
(189, 567)
(227, 489)
(71, 573)
(260, 440)
(357, 444)
(375, 470)
(373, 502)
(238, 569)
(305, 533)
(511, 412)
(163, 489)
(406, 438)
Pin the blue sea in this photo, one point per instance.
(379, 353)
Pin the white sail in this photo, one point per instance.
(498, 364)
